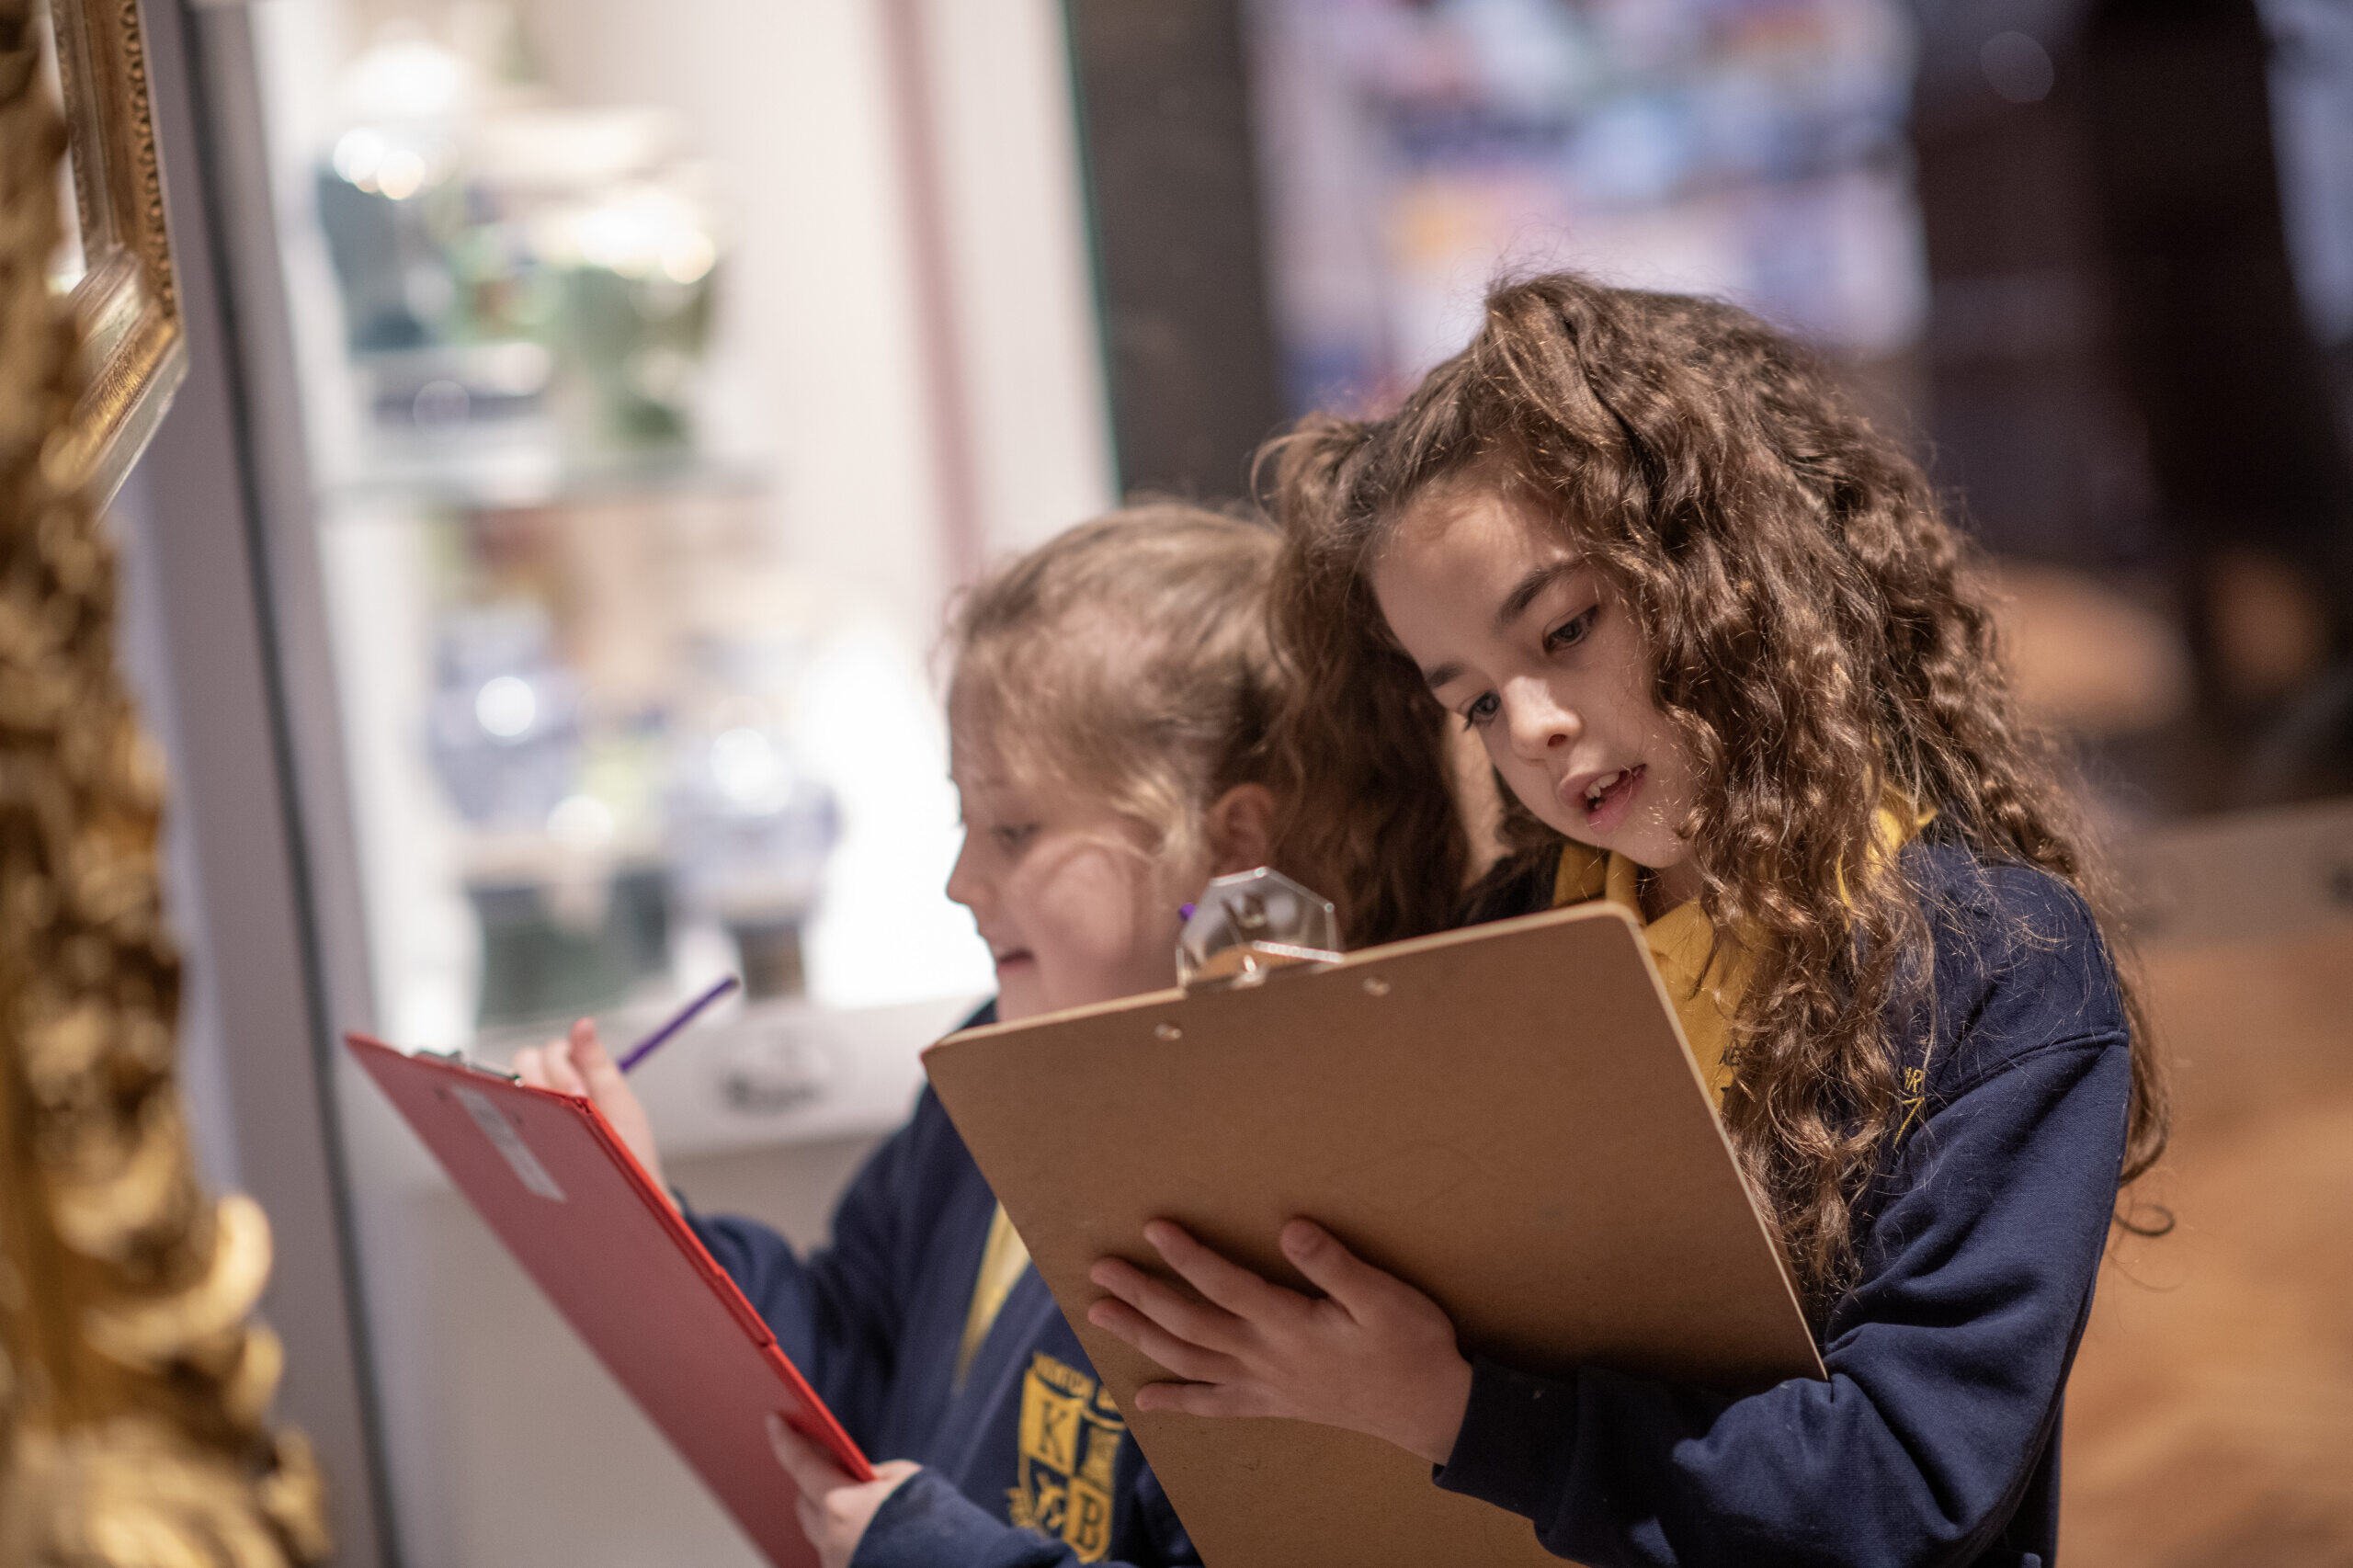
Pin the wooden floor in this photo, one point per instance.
(2211, 1418)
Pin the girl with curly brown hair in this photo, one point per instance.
(1719, 644)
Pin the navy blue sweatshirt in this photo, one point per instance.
(1936, 1439)
(875, 1321)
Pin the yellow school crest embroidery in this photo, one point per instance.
(1914, 1101)
(1070, 1448)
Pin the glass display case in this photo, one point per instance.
(607, 732)
(653, 413)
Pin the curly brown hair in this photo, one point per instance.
(1816, 642)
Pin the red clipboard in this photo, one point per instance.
(557, 1185)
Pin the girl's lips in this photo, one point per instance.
(1616, 801)
(1007, 960)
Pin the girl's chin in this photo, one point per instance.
(1658, 860)
(1020, 993)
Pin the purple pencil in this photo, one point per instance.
(679, 1020)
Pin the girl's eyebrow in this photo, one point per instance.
(1525, 592)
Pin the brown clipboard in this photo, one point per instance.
(1507, 1115)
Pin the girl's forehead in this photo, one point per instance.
(975, 760)
(1480, 532)
(978, 768)
(982, 769)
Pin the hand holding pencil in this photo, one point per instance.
(579, 1064)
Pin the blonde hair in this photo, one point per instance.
(1129, 657)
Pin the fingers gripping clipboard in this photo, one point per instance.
(558, 1188)
(1506, 1116)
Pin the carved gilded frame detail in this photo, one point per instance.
(134, 1384)
(127, 302)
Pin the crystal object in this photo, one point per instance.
(1249, 923)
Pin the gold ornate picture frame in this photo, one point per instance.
(135, 1385)
(124, 297)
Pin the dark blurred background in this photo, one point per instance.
(2095, 259)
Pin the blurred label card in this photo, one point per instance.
(508, 1143)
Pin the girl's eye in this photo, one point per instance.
(1013, 836)
(1481, 709)
(1571, 632)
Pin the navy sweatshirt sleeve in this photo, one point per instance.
(837, 1314)
(840, 1314)
(1947, 1361)
(853, 1317)
(837, 1317)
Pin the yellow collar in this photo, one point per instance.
(1704, 981)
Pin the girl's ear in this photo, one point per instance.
(1241, 829)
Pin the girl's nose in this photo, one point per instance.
(1539, 725)
(963, 885)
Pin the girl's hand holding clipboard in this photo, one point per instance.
(1372, 1354)
(836, 1507)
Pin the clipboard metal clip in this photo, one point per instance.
(454, 1057)
(1250, 924)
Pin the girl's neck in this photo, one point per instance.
(1670, 888)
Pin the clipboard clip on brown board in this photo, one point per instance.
(1249, 925)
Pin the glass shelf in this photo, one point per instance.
(508, 476)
